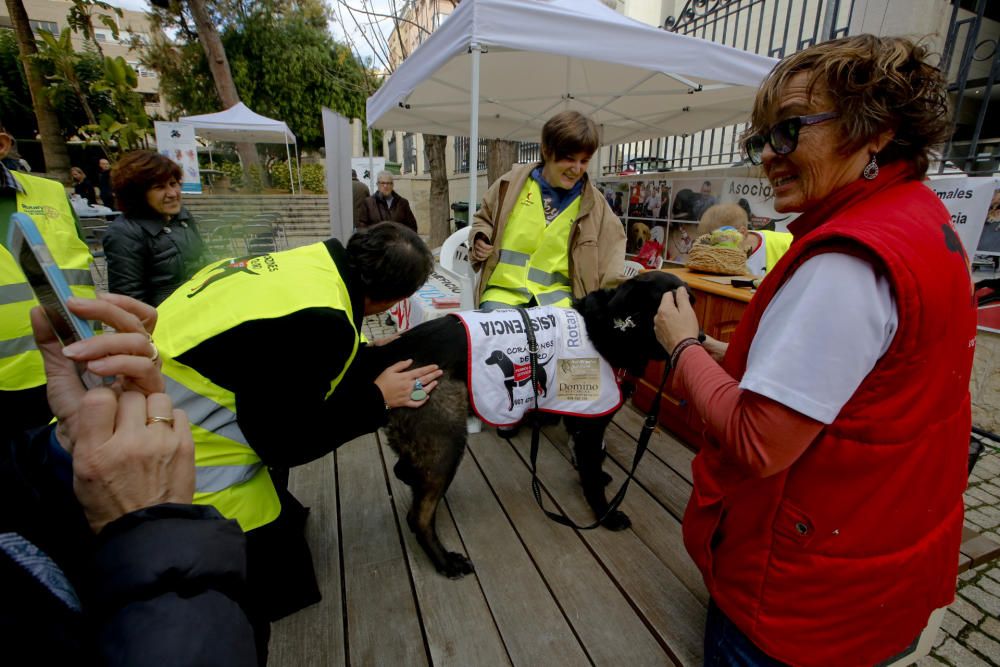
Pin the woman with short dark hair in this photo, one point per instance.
(826, 510)
(544, 234)
(154, 245)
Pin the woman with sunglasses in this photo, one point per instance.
(826, 512)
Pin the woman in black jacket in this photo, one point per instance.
(154, 246)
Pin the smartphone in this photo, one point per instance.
(47, 281)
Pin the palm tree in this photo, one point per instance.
(53, 146)
(81, 19)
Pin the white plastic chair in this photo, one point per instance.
(632, 269)
(454, 259)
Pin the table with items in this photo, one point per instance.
(439, 296)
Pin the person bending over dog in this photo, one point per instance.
(258, 350)
(826, 511)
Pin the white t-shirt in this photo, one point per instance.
(821, 335)
(757, 261)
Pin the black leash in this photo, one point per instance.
(647, 430)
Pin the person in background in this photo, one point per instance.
(13, 160)
(360, 193)
(104, 182)
(154, 246)
(264, 351)
(826, 511)
(386, 206)
(82, 187)
(763, 247)
(22, 376)
(103, 558)
(544, 233)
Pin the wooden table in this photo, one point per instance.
(719, 308)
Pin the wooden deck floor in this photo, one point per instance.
(542, 593)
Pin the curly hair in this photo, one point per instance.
(876, 84)
(390, 260)
(134, 174)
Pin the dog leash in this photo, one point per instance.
(647, 431)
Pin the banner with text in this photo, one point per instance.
(177, 142)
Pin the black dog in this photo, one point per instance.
(506, 366)
(430, 440)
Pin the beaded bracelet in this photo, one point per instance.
(680, 347)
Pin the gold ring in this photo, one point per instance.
(155, 420)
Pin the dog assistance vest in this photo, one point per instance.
(223, 295)
(573, 378)
(45, 202)
(534, 254)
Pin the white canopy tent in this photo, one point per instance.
(239, 124)
(501, 68)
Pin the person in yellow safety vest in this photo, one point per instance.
(544, 234)
(263, 353)
(763, 247)
(23, 402)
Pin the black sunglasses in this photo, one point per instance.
(783, 135)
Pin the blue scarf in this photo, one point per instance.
(555, 200)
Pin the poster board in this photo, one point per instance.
(176, 141)
(365, 174)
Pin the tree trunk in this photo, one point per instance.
(440, 203)
(53, 146)
(500, 157)
(218, 65)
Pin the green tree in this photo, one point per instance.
(53, 145)
(60, 54)
(283, 60)
(81, 19)
(126, 126)
(15, 99)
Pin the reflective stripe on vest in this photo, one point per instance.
(45, 202)
(534, 255)
(223, 295)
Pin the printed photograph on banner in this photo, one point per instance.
(616, 194)
(680, 241)
(754, 196)
(989, 241)
(968, 202)
(692, 197)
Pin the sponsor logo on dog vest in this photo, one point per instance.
(572, 378)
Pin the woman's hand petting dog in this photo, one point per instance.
(675, 320)
(397, 384)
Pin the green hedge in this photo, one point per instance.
(313, 177)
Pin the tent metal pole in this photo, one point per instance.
(288, 157)
(298, 164)
(476, 51)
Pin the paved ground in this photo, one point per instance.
(970, 632)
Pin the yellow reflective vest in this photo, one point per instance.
(534, 255)
(45, 202)
(223, 295)
(776, 244)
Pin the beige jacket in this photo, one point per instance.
(596, 240)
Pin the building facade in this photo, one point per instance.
(50, 16)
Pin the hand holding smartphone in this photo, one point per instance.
(47, 281)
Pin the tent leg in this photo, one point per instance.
(474, 131)
(288, 158)
(298, 165)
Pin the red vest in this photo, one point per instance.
(840, 559)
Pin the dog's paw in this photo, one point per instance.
(456, 566)
(616, 521)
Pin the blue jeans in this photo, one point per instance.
(727, 646)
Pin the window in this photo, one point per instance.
(46, 26)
